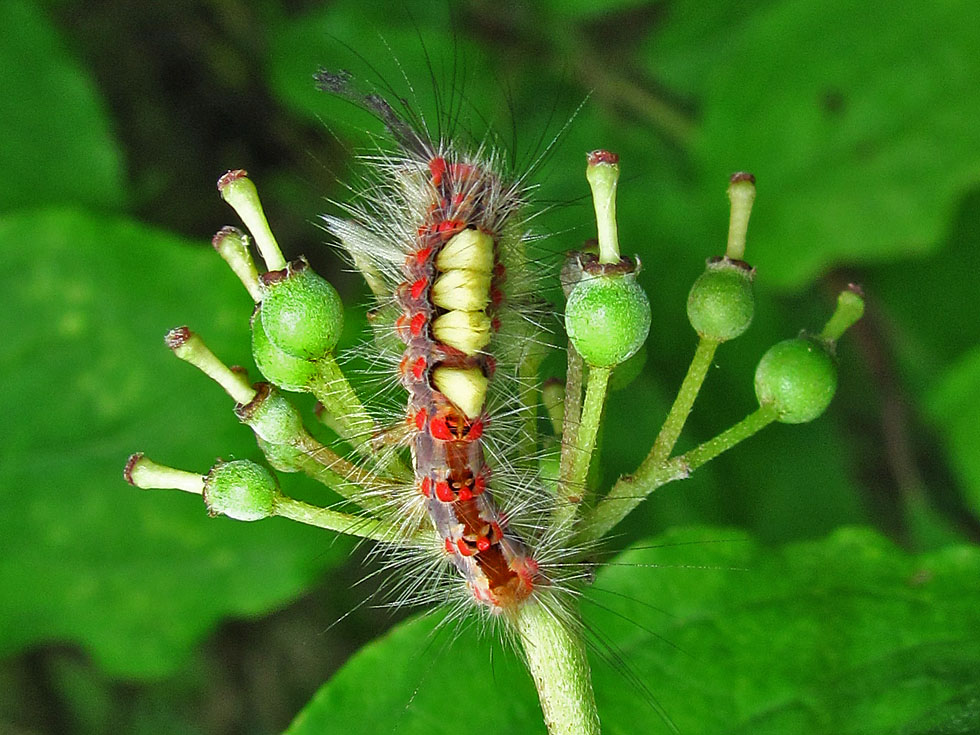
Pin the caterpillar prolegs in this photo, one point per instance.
(443, 229)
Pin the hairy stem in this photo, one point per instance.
(630, 490)
(574, 472)
(339, 400)
(558, 663)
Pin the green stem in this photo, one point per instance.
(338, 398)
(558, 663)
(333, 520)
(630, 490)
(686, 396)
(573, 473)
(573, 407)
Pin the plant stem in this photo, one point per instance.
(573, 407)
(333, 520)
(630, 490)
(573, 474)
(686, 396)
(558, 663)
(338, 398)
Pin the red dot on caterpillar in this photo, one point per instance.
(422, 255)
(464, 494)
(440, 430)
(437, 167)
(483, 543)
(417, 324)
(479, 484)
(425, 487)
(418, 368)
(444, 492)
(476, 430)
(420, 418)
(418, 287)
(464, 548)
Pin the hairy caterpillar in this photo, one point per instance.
(443, 232)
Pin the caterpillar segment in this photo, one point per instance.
(450, 298)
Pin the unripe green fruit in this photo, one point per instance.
(798, 378)
(607, 318)
(302, 314)
(241, 490)
(281, 457)
(720, 305)
(285, 371)
(270, 416)
(628, 370)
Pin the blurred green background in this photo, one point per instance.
(123, 611)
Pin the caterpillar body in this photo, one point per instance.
(441, 232)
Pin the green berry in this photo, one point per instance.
(241, 490)
(282, 457)
(607, 318)
(302, 314)
(283, 370)
(270, 416)
(798, 378)
(628, 370)
(721, 305)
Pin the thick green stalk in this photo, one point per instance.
(558, 663)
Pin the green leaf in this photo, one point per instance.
(953, 404)
(858, 120)
(844, 635)
(55, 143)
(136, 577)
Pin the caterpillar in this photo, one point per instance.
(442, 231)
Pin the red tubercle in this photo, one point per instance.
(444, 492)
(499, 270)
(464, 548)
(450, 227)
(417, 324)
(450, 549)
(476, 430)
(425, 487)
(423, 255)
(482, 543)
(437, 167)
(419, 287)
(418, 368)
(495, 324)
(420, 418)
(462, 170)
(439, 429)
(464, 494)
(496, 532)
(401, 327)
(479, 484)
(527, 569)
(490, 364)
(496, 296)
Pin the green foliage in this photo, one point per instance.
(137, 580)
(844, 635)
(57, 145)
